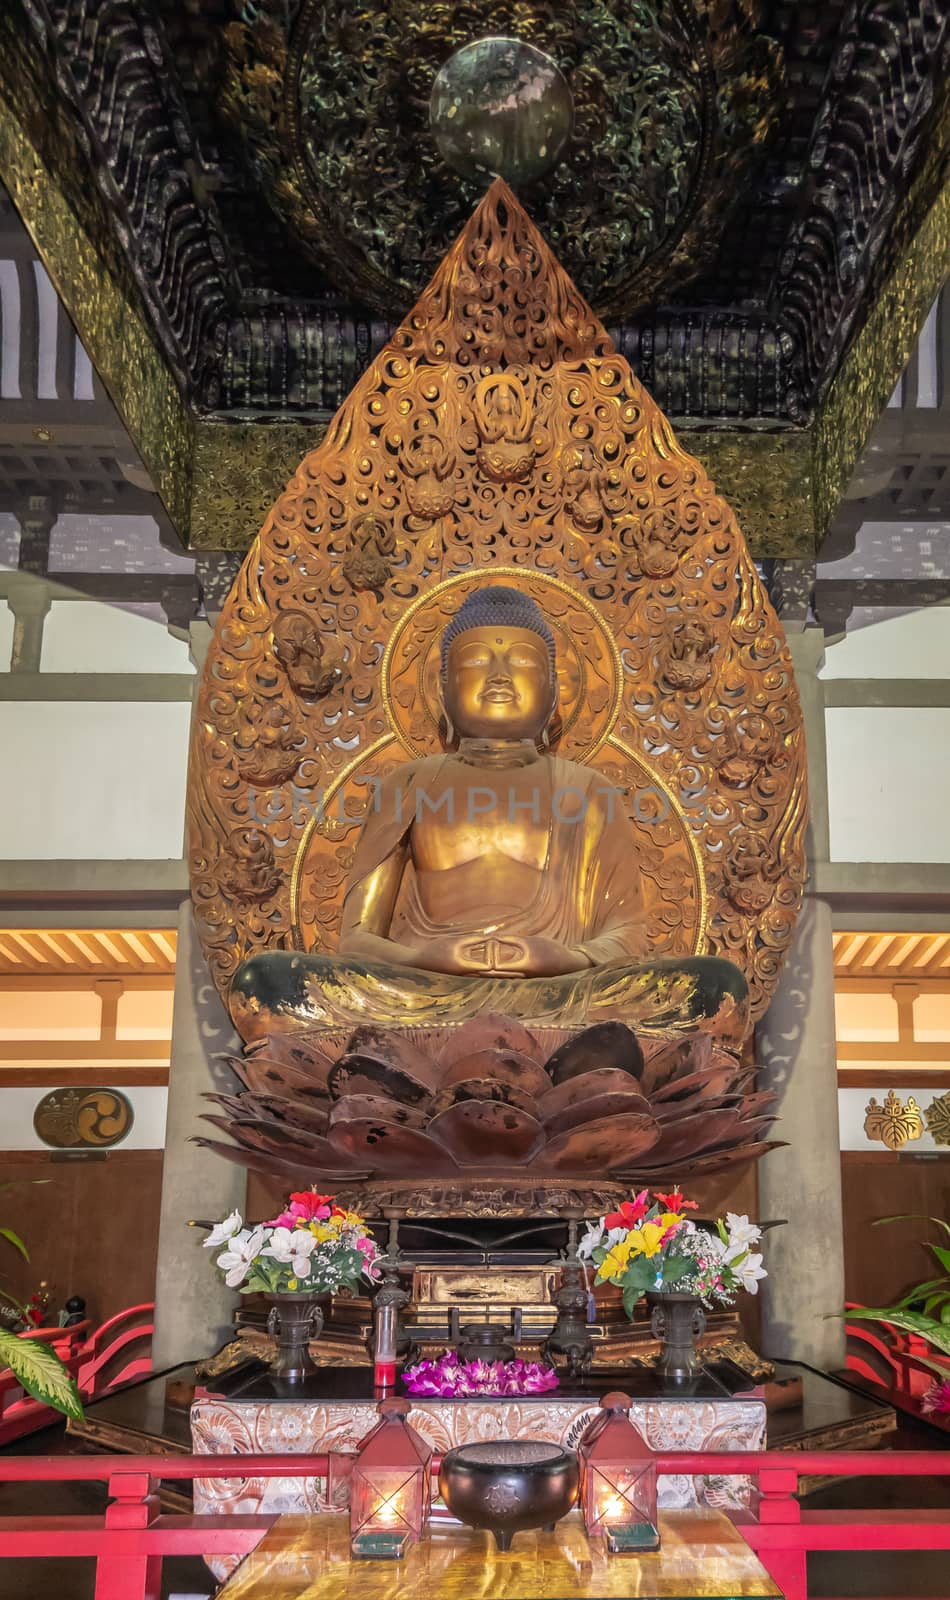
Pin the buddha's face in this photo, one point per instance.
(499, 684)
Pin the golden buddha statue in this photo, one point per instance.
(495, 877)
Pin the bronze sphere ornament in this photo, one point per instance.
(501, 108)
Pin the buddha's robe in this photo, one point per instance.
(587, 896)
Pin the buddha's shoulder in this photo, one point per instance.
(573, 774)
(413, 772)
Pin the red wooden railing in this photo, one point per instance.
(898, 1363)
(130, 1541)
(116, 1353)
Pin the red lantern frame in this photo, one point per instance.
(390, 1485)
(618, 1491)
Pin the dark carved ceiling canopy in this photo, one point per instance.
(673, 104)
(752, 196)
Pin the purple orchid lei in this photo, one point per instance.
(451, 1378)
(935, 1402)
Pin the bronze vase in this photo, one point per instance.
(677, 1320)
(295, 1319)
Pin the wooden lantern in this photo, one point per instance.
(618, 1480)
(390, 1486)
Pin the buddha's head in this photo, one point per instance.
(498, 677)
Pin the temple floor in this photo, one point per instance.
(872, 1576)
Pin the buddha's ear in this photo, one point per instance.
(446, 729)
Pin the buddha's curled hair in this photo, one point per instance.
(497, 606)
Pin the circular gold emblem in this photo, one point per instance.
(69, 1119)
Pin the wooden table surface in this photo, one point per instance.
(308, 1558)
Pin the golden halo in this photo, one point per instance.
(588, 662)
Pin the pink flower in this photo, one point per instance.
(936, 1401)
(287, 1219)
(449, 1377)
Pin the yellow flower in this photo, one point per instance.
(291, 1283)
(669, 1219)
(646, 1240)
(615, 1260)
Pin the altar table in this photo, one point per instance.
(308, 1558)
(704, 1419)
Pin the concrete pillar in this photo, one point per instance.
(29, 599)
(193, 1308)
(797, 1053)
(801, 1185)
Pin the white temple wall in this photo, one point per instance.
(95, 692)
(888, 782)
(93, 780)
(90, 636)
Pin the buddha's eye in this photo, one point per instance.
(475, 658)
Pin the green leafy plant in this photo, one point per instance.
(38, 1369)
(932, 1322)
(35, 1365)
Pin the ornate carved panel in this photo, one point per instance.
(500, 431)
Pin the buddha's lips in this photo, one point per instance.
(499, 696)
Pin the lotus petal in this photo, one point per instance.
(276, 1166)
(317, 1154)
(237, 1105)
(714, 1080)
(489, 1032)
(573, 1091)
(690, 1136)
(373, 1106)
(237, 1064)
(314, 1116)
(674, 1060)
(606, 1044)
(674, 1111)
(596, 1109)
(266, 1076)
(390, 1147)
(486, 1133)
(367, 1074)
(501, 1066)
(714, 1161)
(301, 1049)
(485, 1089)
(390, 1044)
(600, 1145)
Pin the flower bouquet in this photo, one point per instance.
(651, 1246)
(313, 1247)
(450, 1378)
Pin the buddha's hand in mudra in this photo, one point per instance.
(501, 955)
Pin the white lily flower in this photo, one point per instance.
(223, 1231)
(743, 1234)
(280, 1247)
(292, 1248)
(243, 1249)
(592, 1238)
(302, 1244)
(748, 1272)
